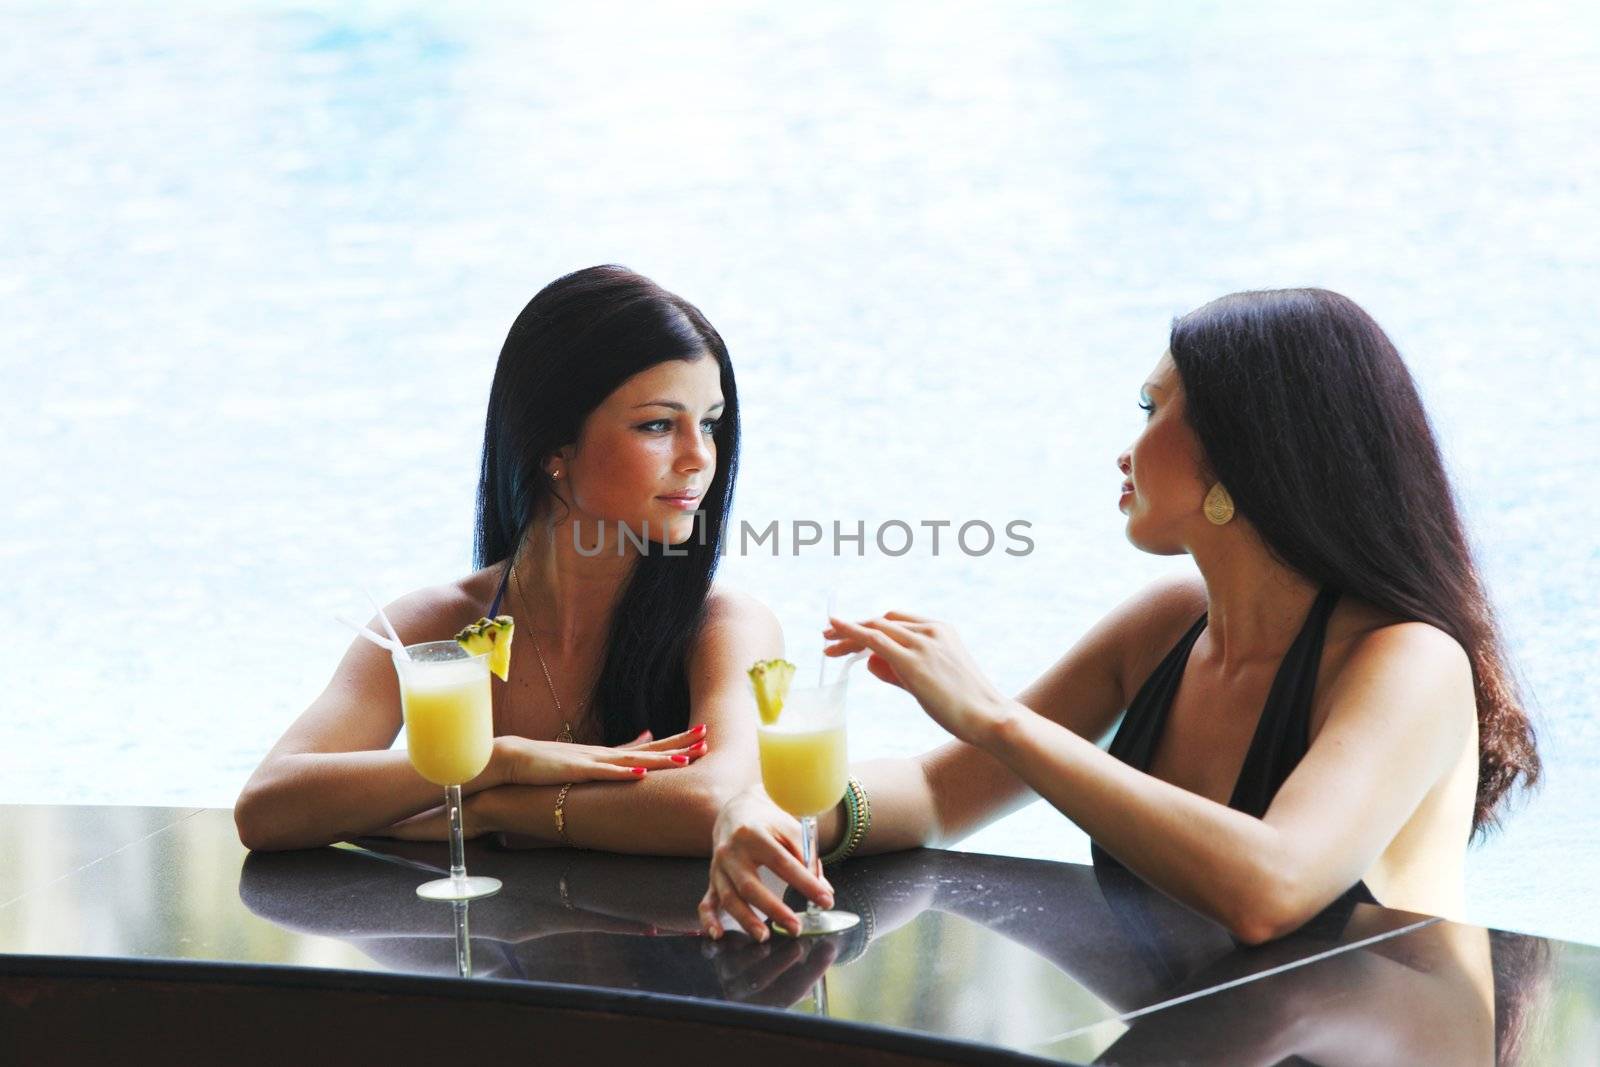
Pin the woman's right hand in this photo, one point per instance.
(524, 761)
(752, 832)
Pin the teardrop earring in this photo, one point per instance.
(1218, 506)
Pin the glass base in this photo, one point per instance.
(469, 888)
(813, 923)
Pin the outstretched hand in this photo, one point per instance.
(927, 659)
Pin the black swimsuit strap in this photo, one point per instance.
(1282, 735)
(494, 605)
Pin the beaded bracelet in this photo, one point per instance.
(857, 821)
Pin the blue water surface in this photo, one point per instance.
(258, 261)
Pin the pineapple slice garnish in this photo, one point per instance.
(770, 678)
(492, 636)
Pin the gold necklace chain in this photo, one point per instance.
(566, 727)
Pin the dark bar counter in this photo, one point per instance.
(133, 932)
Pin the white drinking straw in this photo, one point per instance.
(381, 642)
(388, 627)
(822, 668)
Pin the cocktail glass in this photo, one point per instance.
(444, 694)
(805, 769)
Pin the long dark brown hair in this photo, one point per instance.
(1310, 419)
(575, 342)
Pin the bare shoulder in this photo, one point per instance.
(436, 612)
(729, 607)
(1372, 638)
(737, 630)
(1412, 648)
(1400, 670)
(1146, 625)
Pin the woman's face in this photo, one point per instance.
(646, 456)
(1162, 489)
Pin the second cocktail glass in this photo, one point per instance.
(805, 770)
(444, 695)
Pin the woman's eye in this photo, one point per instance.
(656, 425)
(710, 425)
(1146, 407)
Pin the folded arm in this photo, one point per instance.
(672, 813)
(332, 776)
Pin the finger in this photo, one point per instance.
(686, 739)
(735, 906)
(710, 915)
(602, 771)
(873, 637)
(655, 761)
(906, 616)
(811, 886)
(902, 633)
(844, 646)
(755, 892)
(643, 738)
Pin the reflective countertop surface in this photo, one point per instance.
(1040, 958)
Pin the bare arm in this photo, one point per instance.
(956, 789)
(1400, 715)
(665, 814)
(945, 794)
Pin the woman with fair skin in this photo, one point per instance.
(1323, 714)
(608, 467)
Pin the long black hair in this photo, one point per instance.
(1307, 415)
(577, 340)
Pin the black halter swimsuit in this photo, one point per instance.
(1282, 735)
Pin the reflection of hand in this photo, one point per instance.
(927, 660)
(773, 973)
(524, 761)
(752, 832)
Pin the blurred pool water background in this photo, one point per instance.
(259, 261)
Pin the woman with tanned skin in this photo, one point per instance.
(608, 468)
(1324, 713)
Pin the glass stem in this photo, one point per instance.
(458, 859)
(808, 852)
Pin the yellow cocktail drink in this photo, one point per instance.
(804, 770)
(444, 696)
(449, 721)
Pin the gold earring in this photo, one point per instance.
(555, 473)
(1218, 506)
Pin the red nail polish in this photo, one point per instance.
(700, 748)
(638, 772)
(679, 760)
(700, 729)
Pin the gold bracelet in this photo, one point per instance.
(561, 815)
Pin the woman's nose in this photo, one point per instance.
(1125, 462)
(697, 452)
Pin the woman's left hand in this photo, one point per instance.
(927, 660)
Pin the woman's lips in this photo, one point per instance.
(683, 503)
